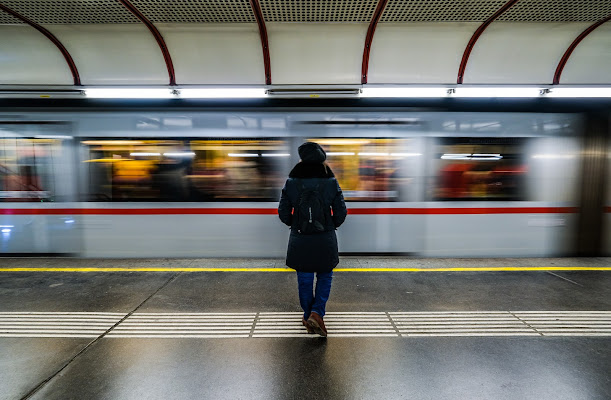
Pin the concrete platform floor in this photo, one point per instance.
(486, 334)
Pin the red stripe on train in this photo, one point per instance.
(273, 211)
(455, 210)
(140, 211)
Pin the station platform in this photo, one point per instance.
(399, 328)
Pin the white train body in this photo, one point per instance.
(532, 212)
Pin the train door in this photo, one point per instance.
(606, 249)
(607, 212)
(593, 227)
(36, 188)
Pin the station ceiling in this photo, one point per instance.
(304, 11)
(304, 42)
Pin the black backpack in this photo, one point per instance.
(310, 210)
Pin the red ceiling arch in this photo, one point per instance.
(569, 51)
(75, 75)
(256, 9)
(158, 38)
(369, 39)
(476, 35)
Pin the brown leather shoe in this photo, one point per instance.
(317, 324)
(307, 326)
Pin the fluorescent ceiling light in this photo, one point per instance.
(112, 142)
(129, 93)
(227, 93)
(276, 155)
(53, 137)
(7, 226)
(7, 230)
(144, 154)
(374, 154)
(455, 156)
(579, 92)
(405, 92)
(179, 154)
(340, 154)
(499, 91)
(466, 91)
(314, 92)
(334, 142)
(243, 155)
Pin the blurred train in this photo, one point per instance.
(206, 184)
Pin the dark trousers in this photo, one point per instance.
(314, 299)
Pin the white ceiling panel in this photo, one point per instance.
(114, 54)
(418, 52)
(27, 57)
(515, 53)
(215, 53)
(316, 53)
(590, 63)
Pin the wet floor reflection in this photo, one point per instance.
(338, 368)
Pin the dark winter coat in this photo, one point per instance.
(314, 252)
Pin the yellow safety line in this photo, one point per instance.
(202, 269)
(146, 269)
(478, 269)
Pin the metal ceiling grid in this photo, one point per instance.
(72, 11)
(557, 11)
(440, 10)
(8, 19)
(190, 11)
(318, 10)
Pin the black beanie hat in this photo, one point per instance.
(311, 152)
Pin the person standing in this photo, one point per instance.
(309, 196)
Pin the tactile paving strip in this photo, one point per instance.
(288, 324)
(57, 324)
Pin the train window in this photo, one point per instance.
(186, 170)
(239, 169)
(368, 169)
(480, 169)
(26, 169)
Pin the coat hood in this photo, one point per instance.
(309, 170)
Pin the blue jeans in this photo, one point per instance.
(317, 300)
